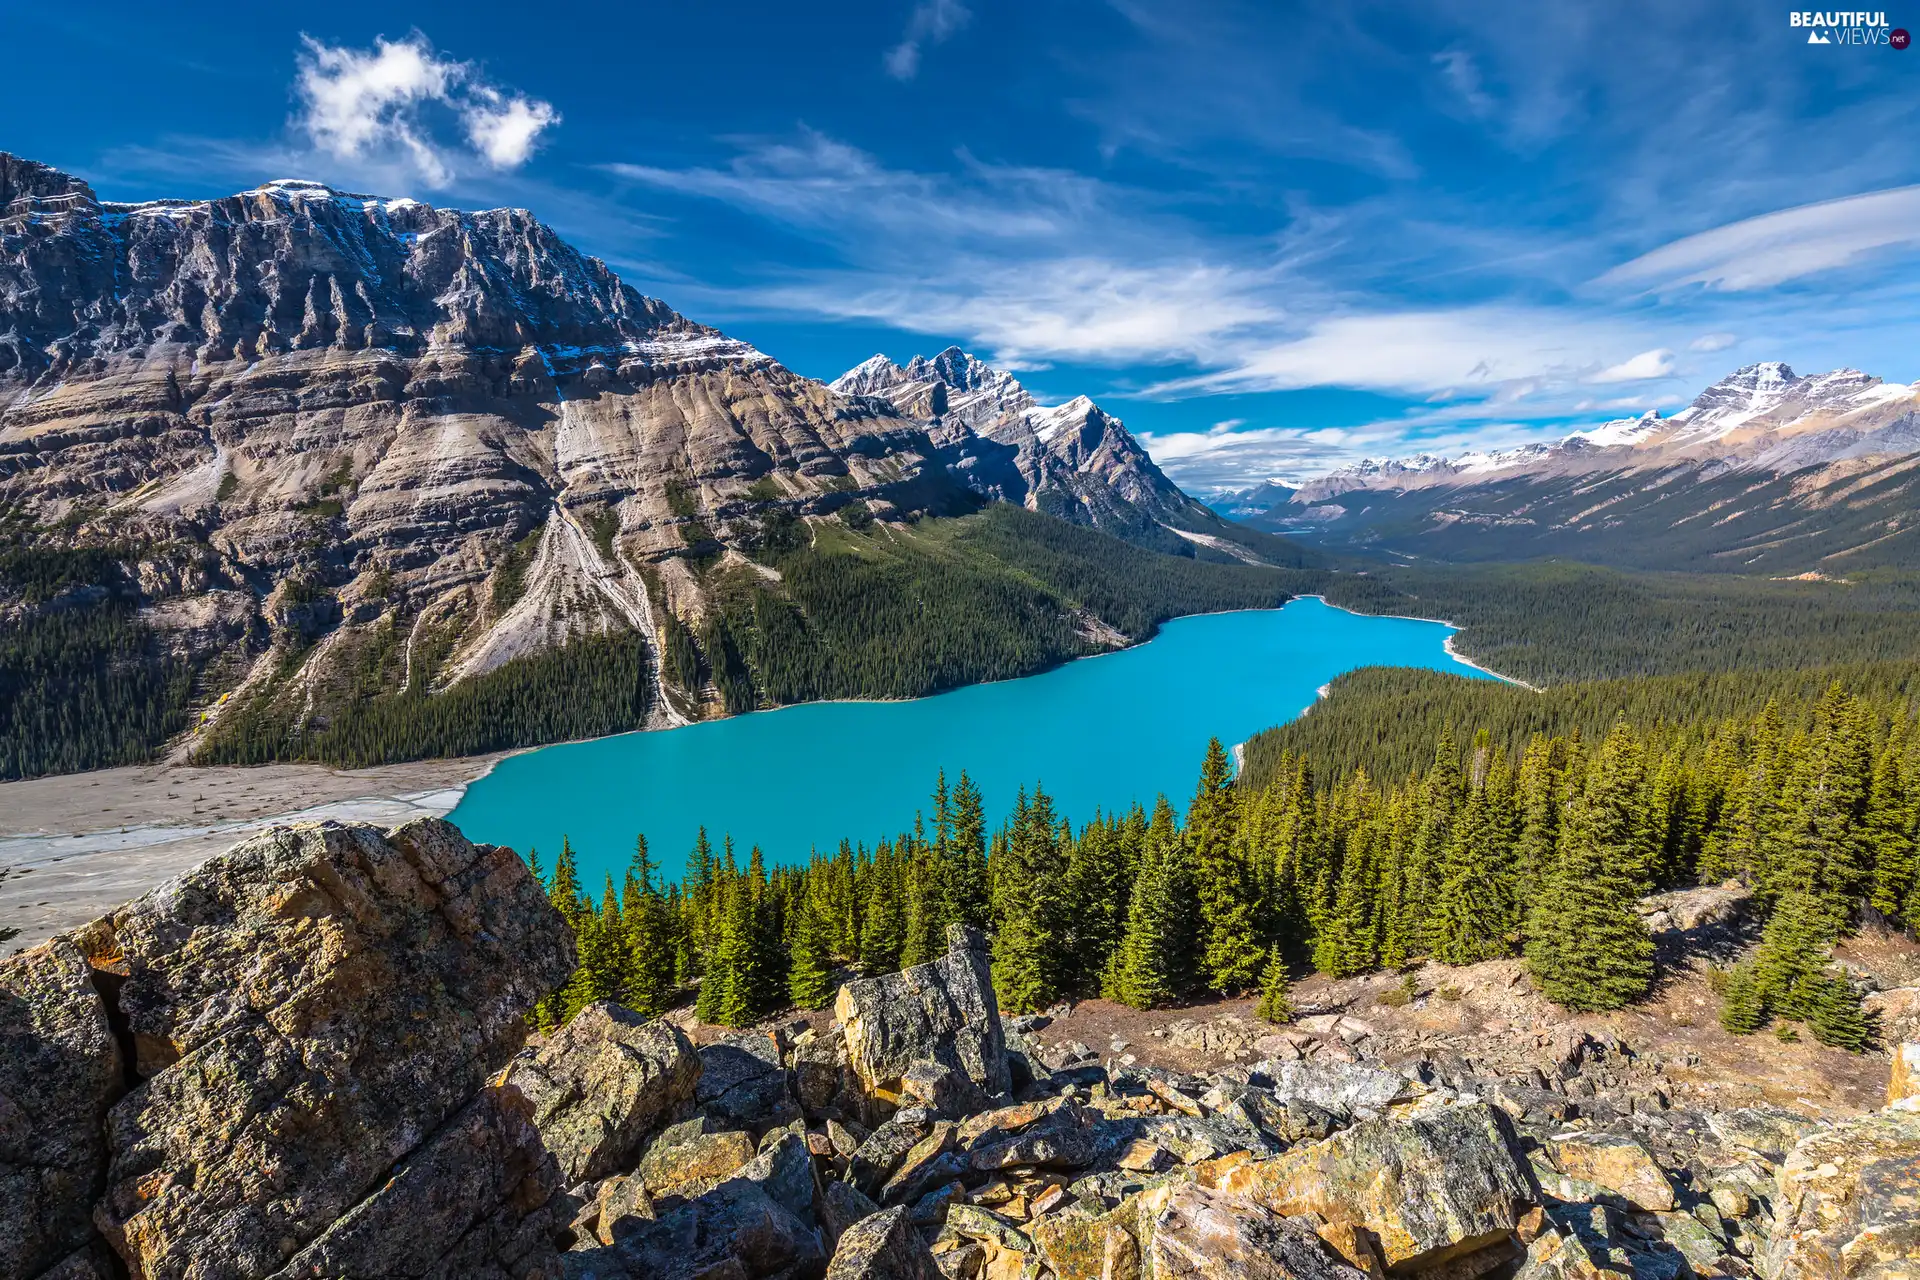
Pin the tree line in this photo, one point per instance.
(1541, 853)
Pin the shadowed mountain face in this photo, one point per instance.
(294, 415)
(1766, 471)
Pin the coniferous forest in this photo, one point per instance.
(1539, 849)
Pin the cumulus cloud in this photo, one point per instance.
(380, 105)
(931, 22)
(1761, 252)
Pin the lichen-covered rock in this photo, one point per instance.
(784, 1170)
(1063, 1139)
(943, 1012)
(1334, 1085)
(602, 1083)
(694, 1152)
(841, 1205)
(309, 1009)
(1430, 1187)
(882, 1247)
(1618, 1163)
(1765, 1131)
(1848, 1201)
(876, 1158)
(60, 1070)
(1206, 1235)
(743, 1081)
(1904, 1079)
(477, 1199)
(735, 1225)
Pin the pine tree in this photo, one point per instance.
(1155, 963)
(1275, 1004)
(1231, 954)
(1441, 794)
(1031, 963)
(1743, 1010)
(1836, 1017)
(810, 976)
(1586, 948)
(652, 942)
(967, 856)
(883, 923)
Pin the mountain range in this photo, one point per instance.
(1765, 471)
(299, 417)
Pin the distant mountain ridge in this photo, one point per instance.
(1766, 468)
(1072, 460)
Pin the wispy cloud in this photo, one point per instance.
(931, 22)
(1758, 253)
(376, 106)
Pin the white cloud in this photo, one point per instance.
(931, 22)
(1657, 363)
(1713, 342)
(373, 105)
(504, 129)
(1773, 248)
(1503, 353)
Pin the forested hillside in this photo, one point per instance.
(1490, 850)
(838, 608)
(1553, 622)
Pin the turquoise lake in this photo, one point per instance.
(1101, 732)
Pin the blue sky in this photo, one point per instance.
(1270, 237)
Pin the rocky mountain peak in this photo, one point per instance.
(29, 187)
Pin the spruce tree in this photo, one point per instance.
(1586, 947)
(883, 921)
(1155, 963)
(652, 944)
(1031, 960)
(810, 975)
(1231, 954)
(1743, 1010)
(1836, 1017)
(967, 856)
(1473, 889)
(1275, 1002)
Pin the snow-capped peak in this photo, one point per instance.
(870, 377)
(1620, 431)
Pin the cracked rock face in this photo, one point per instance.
(60, 1069)
(943, 1013)
(311, 1020)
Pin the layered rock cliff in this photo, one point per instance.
(329, 434)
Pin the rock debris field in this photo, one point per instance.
(308, 1057)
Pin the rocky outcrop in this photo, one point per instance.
(882, 1247)
(1903, 1081)
(305, 1059)
(1847, 1201)
(603, 1083)
(942, 1013)
(309, 1023)
(1435, 1186)
(60, 1069)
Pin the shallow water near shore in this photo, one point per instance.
(1101, 732)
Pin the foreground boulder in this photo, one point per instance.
(1431, 1187)
(942, 1013)
(60, 1069)
(602, 1084)
(1848, 1201)
(311, 1020)
(882, 1247)
(1210, 1236)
